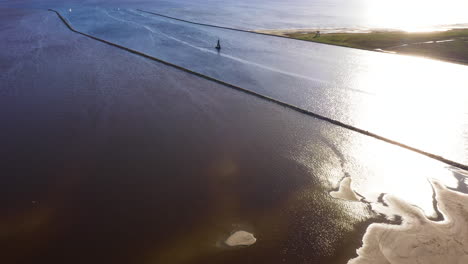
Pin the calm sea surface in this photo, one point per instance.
(276, 14)
(108, 157)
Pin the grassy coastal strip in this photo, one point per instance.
(450, 45)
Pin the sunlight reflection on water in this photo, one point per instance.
(415, 15)
(423, 104)
(405, 108)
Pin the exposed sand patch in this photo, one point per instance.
(240, 238)
(418, 239)
(345, 192)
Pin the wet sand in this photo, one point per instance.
(418, 239)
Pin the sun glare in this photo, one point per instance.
(415, 15)
(404, 107)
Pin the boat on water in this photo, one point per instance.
(218, 46)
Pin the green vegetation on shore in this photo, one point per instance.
(451, 45)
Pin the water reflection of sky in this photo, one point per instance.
(419, 102)
(407, 15)
(416, 101)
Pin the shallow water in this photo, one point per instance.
(109, 157)
(399, 97)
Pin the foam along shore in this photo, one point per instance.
(240, 238)
(450, 45)
(418, 239)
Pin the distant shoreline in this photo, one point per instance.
(286, 32)
(449, 45)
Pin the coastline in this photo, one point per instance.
(287, 31)
(447, 45)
